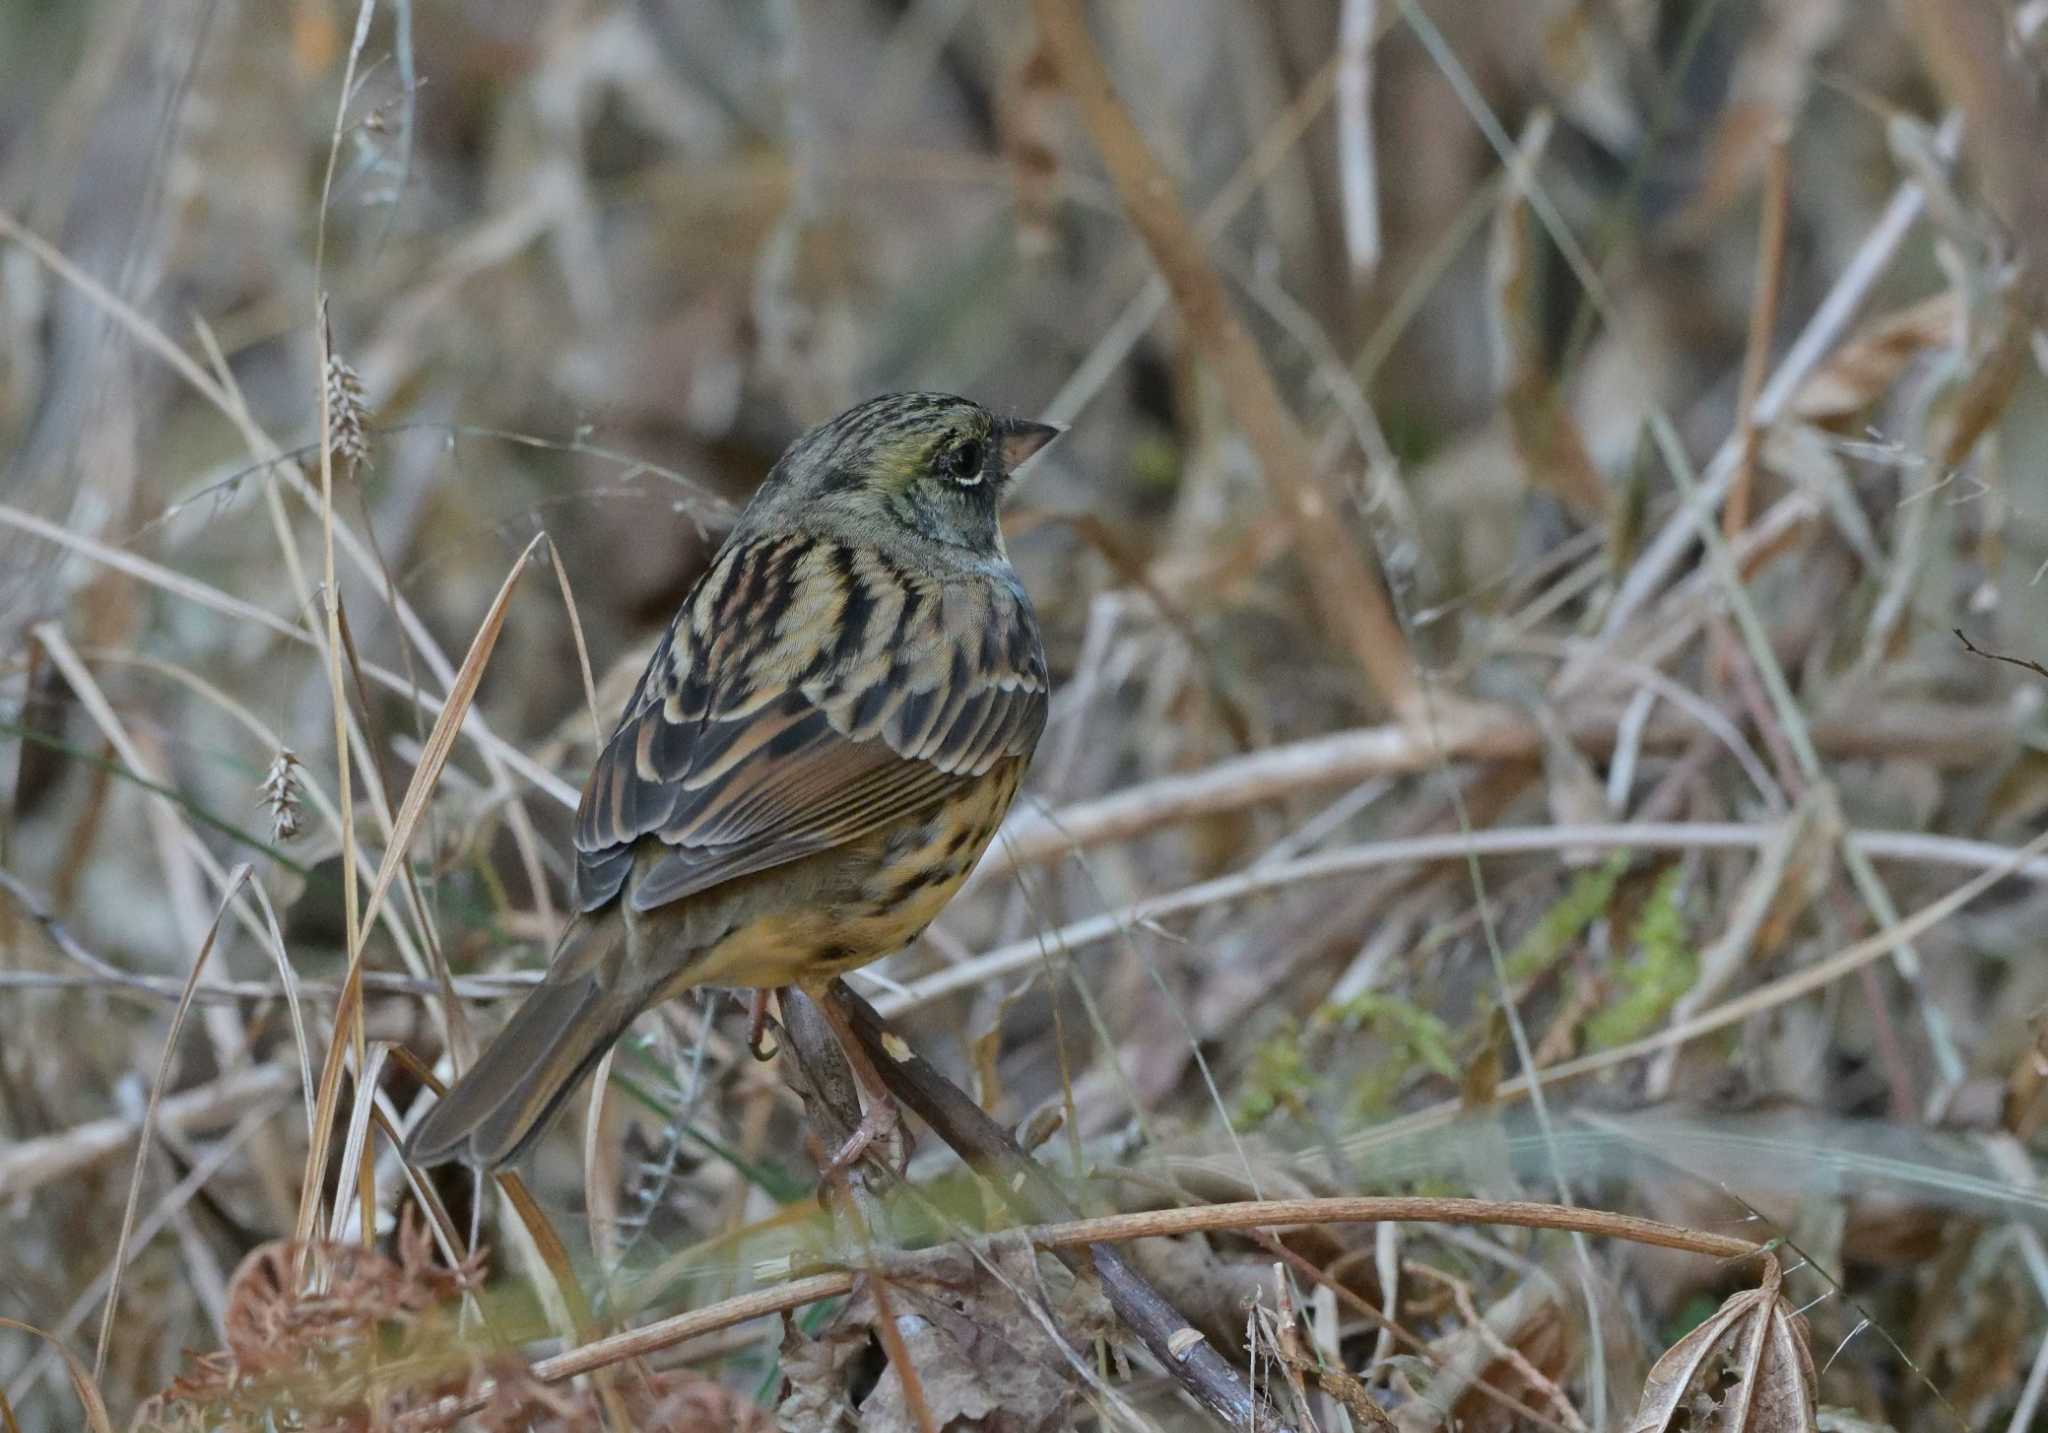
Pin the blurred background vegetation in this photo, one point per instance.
(1517, 273)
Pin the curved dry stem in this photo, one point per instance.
(1115, 1228)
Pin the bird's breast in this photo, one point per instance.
(865, 900)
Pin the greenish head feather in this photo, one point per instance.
(913, 473)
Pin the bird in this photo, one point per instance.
(824, 741)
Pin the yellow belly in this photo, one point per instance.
(872, 898)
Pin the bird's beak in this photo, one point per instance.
(1020, 441)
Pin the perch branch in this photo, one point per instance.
(1036, 1197)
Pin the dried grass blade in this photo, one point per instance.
(102, 712)
(84, 1382)
(156, 1093)
(1360, 184)
(441, 740)
(582, 649)
(354, 1147)
(446, 1235)
(454, 1025)
(553, 1252)
(338, 695)
(31, 1163)
(600, 1177)
(440, 743)
(137, 327)
(348, 1011)
(289, 979)
(1763, 317)
(493, 747)
(153, 573)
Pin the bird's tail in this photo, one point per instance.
(560, 1031)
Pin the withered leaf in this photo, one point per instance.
(1747, 1369)
(1862, 370)
(985, 1362)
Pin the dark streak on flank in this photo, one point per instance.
(910, 885)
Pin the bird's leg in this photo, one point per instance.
(757, 1026)
(882, 1116)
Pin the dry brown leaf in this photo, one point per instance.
(1987, 389)
(310, 1356)
(2022, 1110)
(984, 1361)
(1745, 1370)
(1862, 370)
(814, 1371)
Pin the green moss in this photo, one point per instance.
(1664, 967)
(1412, 1035)
(1566, 921)
(1154, 464)
(1278, 1076)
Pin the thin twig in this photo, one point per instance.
(1447, 846)
(2025, 664)
(1647, 835)
(1094, 1236)
(1948, 734)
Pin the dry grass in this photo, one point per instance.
(1526, 914)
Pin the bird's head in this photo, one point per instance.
(901, 471)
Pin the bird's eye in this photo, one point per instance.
(962, 463)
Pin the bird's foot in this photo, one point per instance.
(882, 1120)
(760, 1044)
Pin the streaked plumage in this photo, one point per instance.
(821, 747)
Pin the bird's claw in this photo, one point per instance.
(760, 1044)
(881, 1120)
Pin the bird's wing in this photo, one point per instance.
(808, 694)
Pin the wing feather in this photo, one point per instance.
(807, 695)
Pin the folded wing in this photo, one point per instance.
(809, 694)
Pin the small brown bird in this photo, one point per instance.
(821, 747)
